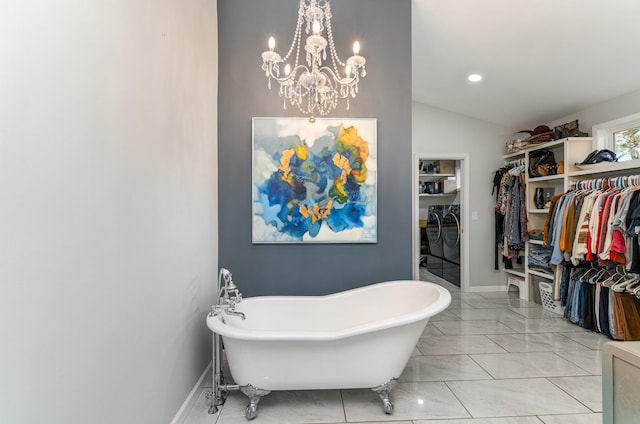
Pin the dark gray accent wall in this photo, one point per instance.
(384, 30)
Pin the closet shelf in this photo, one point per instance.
(544, 211)
(557, 177)
(515, 272)
(549, 145)
(608, 168)
(541, 274)
(435, 176)
(438, 194)
(513, 155)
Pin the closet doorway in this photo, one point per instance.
(441, 218)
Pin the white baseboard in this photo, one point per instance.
(191, 399)
(488, 288)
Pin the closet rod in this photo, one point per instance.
(624, 181)
(515, 162)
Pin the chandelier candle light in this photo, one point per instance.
(314, 87)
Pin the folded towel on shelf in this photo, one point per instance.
(536, 235)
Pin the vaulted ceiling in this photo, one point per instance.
(540, 59)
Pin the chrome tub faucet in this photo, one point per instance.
(228, 296)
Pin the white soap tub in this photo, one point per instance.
(360, 338)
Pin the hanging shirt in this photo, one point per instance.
(580, 241)
(557, 256)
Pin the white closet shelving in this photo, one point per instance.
(570, 150)
(437, 178)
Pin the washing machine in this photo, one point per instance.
(434, 237)
(451, 235)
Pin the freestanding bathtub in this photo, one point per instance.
(360, 338)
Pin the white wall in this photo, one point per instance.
(436, 131)
(618, 107)
(108, 216)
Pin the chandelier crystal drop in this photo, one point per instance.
(314, 87)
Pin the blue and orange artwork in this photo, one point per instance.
(314, 181)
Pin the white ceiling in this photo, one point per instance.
(541, 59)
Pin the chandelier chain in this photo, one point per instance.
(297, 37)
(332, 47)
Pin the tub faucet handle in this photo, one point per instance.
(235, 296)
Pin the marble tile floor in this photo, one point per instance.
(490, 358)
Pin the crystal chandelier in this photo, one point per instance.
(314, 87)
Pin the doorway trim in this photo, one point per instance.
(464, 251)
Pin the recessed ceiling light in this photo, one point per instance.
(474, 77)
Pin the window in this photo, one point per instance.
(627, 143)
(621, 135)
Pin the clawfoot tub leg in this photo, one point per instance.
(254, 394)
(383, 391)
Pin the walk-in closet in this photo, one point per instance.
(568, 240)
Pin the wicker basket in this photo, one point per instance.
(546, 296)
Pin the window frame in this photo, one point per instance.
(603, 134)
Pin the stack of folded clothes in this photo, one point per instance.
(540, 258)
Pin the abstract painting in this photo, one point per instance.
(314, 182)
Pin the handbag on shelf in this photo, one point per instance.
(547, 169)
(542, 162)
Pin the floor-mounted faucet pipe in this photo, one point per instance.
(224, 303)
